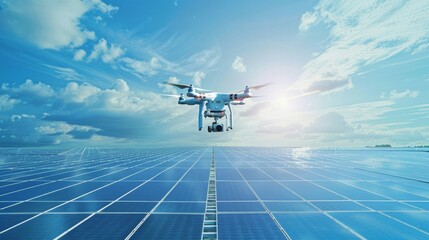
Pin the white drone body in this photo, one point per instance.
(214, 103)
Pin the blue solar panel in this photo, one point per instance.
(311, 191)
(130, 207)
(248, 226)
(105, 226)
(417, 219)
(10, 220)
(214, 193)
(374, 225)
(189, 191)
(312, 226)
(183, 207)
(339, 206)
(269, 190)
(31, 207)
(234, 191)
(197, 174)
(168, 226)
(110, 192)
(151, 191)
(239, 207)
(46, 226)
(80, 207)
(34, 192)
(421, 205)
(253, 174)
(289, 206)
(227, 174)
(350, 192)
(70, 192)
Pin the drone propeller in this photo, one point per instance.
(260, 86)
(256, 87)
(185, 86)
(172, 95)
(181, 86)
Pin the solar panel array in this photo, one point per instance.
(214, 193)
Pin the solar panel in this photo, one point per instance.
(214, 193)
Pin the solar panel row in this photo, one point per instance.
(261, 193)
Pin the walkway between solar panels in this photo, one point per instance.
(210, 216)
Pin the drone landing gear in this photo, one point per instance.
(217, 127)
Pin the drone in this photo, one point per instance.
(214, 102)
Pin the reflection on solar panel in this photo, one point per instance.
(214, 193)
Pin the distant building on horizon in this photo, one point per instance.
(380, 146)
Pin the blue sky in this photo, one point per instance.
(345, 73)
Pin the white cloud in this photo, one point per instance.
(83, 111)
(16, 117)
(148, 68)
(373, 110)
(107, 53)
(198, 77)
(50, 24)
(119, 98)
(28, 87)
(68, 74)
(168, 88)
(199, 62)
(75, 93)
(395, 94)
(79, 55)
(60, 129)
(364, 33)
(238, 64)
(54, 128)
(103, 7)
(202, 60)
(420, 49)
(331, 122)
(254, 109)
(122, 99)
(307, 20)
(98, 19)
(295, 123)
(293, 130)
(330, 85)
(121, 85)
(7, 103)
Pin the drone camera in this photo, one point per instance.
(216, 127)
